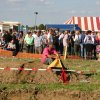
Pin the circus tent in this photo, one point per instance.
(86, 23)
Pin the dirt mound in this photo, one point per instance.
(50, 95)
(37, 77)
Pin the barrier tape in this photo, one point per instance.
(55, 70)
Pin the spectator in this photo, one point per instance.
(56, 41)
(65, 44)
(21, 41)
(34, 34)
(69, 42)
(98, 45)
(50, 36)
(7, 37)
(0, 34)
(89, 43)
(77, 43)
(82, 37)
(61, 36)
(11, 45)
(72, 42)
(16, 41)
(29, 41)
(38, 42)
(44, 38)
(94, 46)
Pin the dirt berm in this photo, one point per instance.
(39, 77)
(49, 95)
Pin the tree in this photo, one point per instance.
(41, 27)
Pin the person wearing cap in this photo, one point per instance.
(49, 54)
(29, 41)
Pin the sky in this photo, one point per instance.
(49, 11)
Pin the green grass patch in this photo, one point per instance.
(82, 64)
(41, 87)
(78, 86)
(5, 59)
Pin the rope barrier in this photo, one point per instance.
(55, 70)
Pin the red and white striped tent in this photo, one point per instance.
(86, 23)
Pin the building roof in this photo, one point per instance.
(10, 23)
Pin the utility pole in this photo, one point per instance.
(36, 13)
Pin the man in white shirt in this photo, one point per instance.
(34, 34)
(49, 36)
(38, 42)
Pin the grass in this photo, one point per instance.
(42, 87)
(82, 64)
(5, 59)
(96, 76)
(71, 64)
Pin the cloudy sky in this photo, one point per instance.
(50, 11)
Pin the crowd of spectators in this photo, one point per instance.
(78, 43)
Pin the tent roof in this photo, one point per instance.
(86, 23)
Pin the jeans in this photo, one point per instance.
(48, 61)
(29, 48)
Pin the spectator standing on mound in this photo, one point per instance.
(0, 34)
(16, 42)
(29, 41)
(56, 40)
(38, 42)
(20, 38)
(7, 37)
(44, 37)
(77, 43)
(89, 44)
(61, 36)
(50, 36)
(65, 44)
(49, 54)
